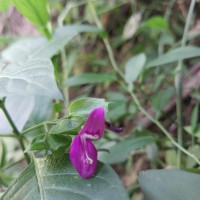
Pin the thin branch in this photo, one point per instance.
(15, 130)
(43, 124)
(105, 40)
(7, 135)
(178, 83)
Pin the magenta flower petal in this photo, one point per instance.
(95, 124)
(83, 156)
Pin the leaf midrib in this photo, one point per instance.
(39, 179)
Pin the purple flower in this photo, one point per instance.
(83, 153)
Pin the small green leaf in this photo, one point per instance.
(58, 143)
(53, 142)
(84, 106)
(170, 184)
(36, 11)
(120, 151)
(89, 78)
(52, 178)
(38, 143)
(156, 22)
(180, 53)
(67, 126)
(134, 66)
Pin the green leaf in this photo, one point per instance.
(120, 151)
(53, 142)
(84, 106)
(58, 143)
(53, 178)
(67, 126)
(18, 79)
(160, 99)
(180, 53)
(4, 5)
(89, 78)
(36, 11)
(170, 184)
(38, 143)
(156, 22)
(134, 66)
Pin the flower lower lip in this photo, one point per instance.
(88, 160)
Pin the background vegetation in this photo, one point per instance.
(142, 57)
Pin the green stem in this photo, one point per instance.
(163, 33)
(178, 84)
(43, 124)
(11, 165)
(7, 135)
(105, 40)
(15, 130)
(116, 68)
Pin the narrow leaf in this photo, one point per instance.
(134, 66)
(89, 78)
(180, 53)
(156, 22)
(120, 151)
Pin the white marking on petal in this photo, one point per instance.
(92, 137)
(88, 160)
